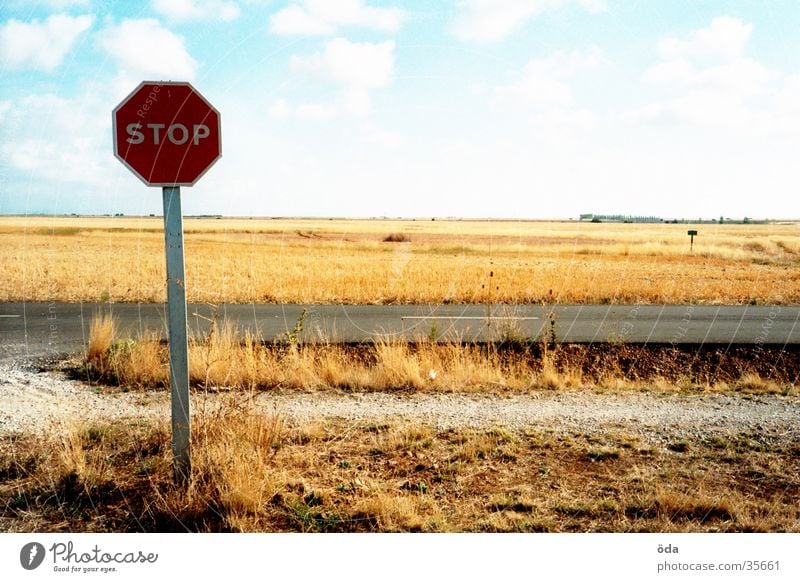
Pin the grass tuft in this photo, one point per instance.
(102, 333)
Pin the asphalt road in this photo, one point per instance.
(52, 329)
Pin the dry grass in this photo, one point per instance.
(102, 334)
(261, 260)
(256, 473)
(227, 359)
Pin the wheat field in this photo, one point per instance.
(242, 260)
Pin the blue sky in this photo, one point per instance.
(473, 108)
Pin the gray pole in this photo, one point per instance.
(178, 343)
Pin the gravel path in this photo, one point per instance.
(36, 402)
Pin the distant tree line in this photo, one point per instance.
(657, 219)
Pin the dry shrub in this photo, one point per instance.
(390, 513)
(141, 364)
(102, 333)
(465, 367)
(73, 461)
(234, 476)
(556, 377)
(407, 438)
(335, 369)
(397, 237)
(226, 357)
(474, 448)
(671, 506)
(81, 457)
(753, 382)
(235, 448)
(516, 500)
(396, 366)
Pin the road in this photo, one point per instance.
(53, 329)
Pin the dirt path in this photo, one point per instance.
(35, 402)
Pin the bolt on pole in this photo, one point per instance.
(178, 341)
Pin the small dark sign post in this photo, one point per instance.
(692, 234)
(169, 135)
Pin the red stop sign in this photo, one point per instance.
(166, 133)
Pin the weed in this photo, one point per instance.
(433, 334)
(294, 337)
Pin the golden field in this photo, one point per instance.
(121, 259)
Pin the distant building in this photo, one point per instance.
(619, 218)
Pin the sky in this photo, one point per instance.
(465, 108)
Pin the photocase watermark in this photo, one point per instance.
(31, 555)
(67, 558)
(400, 259)
(627, 327)
(149, 101)
(766, 326)
(683, 328)
(52, 318)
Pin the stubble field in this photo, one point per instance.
(121, 259)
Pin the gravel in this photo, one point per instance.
(37, 402)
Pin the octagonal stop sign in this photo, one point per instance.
(166, 133)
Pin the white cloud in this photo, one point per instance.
(145, 50)
(744, 76)
(5, 106)
(281, 109)
(709, 81)
(40, 45)
(382, 137)
(356, 67)
(61, 4)
(494, 20)
(323, 17)
(544, 96)
(676, 70)
(544, 81)
(356, 64)
(180, 10)
(63, 140)
(594, 6)
(725, 37)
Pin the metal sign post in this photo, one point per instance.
(178, 341)
(692, 234)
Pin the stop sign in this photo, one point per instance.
(166, 133)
